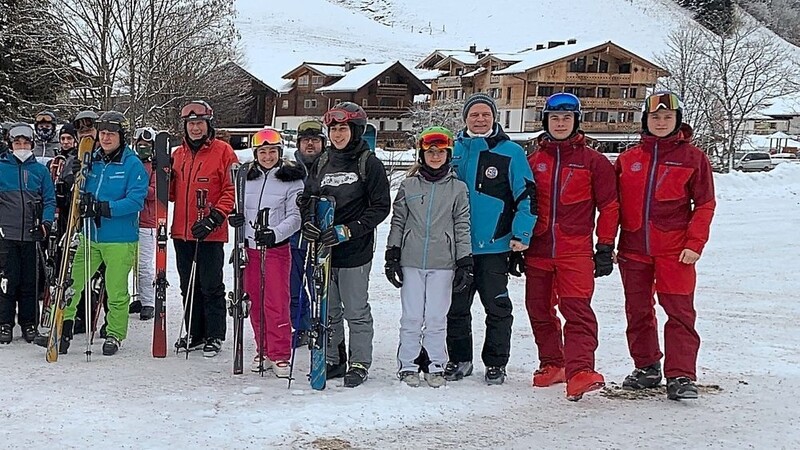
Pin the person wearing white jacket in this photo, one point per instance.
(272, 184)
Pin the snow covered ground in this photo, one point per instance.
(748, 304)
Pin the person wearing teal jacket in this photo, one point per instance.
(114, 193)
(503, 212)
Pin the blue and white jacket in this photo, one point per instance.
(122, 181)
(21, 185)
(501, 187)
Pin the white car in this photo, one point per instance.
(780, 158)
(752, 162)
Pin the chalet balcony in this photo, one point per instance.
(612, 104)
(532, 126)
(385, 111)
(452, 82)
(392, 89)
(611, 127)
(601, 78)
(535, 102)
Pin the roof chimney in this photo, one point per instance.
(554, 44)
(539, 46)
(348, 65)
(572, 41)
(473, 48)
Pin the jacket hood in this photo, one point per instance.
(351, 152)
(290, 171)
(682, 136)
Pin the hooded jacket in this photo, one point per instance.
(23, 183)
(277, 189)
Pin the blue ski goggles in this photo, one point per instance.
(562, 101)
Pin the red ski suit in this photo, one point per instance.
(666, 205)
(573, 182)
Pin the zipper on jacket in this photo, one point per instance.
(261, 197)
(554, 206)
(662, 178)
(188, 185)
(428, 228)
(22, 199)
(653, 164)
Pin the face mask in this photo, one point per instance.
(22, 155)
(144, 151)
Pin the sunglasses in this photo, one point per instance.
(197, 110)
(114, 127)
(438, 140)
(143, 134)
(339, 116)
(563, 102)
(267, 137)
(665, 100)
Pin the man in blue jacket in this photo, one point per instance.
(502, 211)
(27, 208)
(114, 193)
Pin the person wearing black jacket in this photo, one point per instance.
(357, 180)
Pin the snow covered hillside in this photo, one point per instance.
(278, 37)
(748, 304)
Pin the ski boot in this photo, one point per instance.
(29, 333)
(212, 347)
(135, 307)
(644, 378)
(356, 376)
(495, 375)
(110, 346)
(194, 344)
(409, 377)
(6, 333)
(455, 371)
(583, 382)
(147, 313)
(681, 388)
(66, 337)
(548, 376)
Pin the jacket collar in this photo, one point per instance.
(674, 140)
(547, 143)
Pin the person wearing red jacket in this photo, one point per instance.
(200, 169)
(573, 182)
(666, 206)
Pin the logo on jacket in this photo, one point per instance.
(636, 167)
(339, 178)
(541, 167)
(491, 172)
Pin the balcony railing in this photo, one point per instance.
(594, 77)
(385, 111)
(594, 103)
(392, 89)
(448, 82)
(611, 127)
(530, 127)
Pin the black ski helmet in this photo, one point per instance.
(113, 121)
(45, 134)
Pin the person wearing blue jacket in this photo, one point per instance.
(27, 208)
(114, 194)
(502, 210)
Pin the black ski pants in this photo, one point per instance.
(18, 273)
(491, 283)
(209, 307)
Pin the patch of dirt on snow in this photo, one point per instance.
(331, 444)
(615, 392)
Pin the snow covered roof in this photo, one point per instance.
(542, 57)
(286, 87)
(362, 75)
(788, 105)
(474, 72)
(330, 70)
(428, 75)
(760, 142)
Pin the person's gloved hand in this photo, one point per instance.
(265, 237)
(310, 232)
(516, 264)
(203, 227)
(394, 273)
(236, 219)
(335, 235)
(75, 166)
(603, 261)
(87, 206)
(40, 233)
(463, 277)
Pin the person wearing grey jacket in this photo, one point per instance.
(428, 255)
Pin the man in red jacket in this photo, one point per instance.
(204, 196)
(666, 206)
(573, 181)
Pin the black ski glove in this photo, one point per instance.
(103, 209)
(87, 206)
(603, 264)
(39, 233)
(310, 232)
(203, 227)
(265, 237)
(236, 219)
(394, 273)
(75, 166)
(516, 264)
(463, 277)
(335, 235)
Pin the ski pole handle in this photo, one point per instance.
(262, 219)
(202, 197)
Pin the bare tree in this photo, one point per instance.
(444, 113)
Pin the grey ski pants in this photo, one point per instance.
(348, 297)
(425, 297)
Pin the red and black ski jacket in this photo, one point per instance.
(208, 168)
(573, 181)
(666, 196)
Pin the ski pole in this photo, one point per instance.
(303, 287)
(262, 221)
(201, 197)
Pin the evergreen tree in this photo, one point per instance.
(716, 15)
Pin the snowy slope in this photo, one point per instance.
(748, 304)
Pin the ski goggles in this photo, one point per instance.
(665, 100)
(438, 140)
(266, 137)
(108, 125)
(83, 124)
(340, 116)
(197, 110)
(309, 128)
(43, 118)
(562, 102)
(144, 134)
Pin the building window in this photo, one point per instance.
(317, 80)
(544, 91)
(459, 71)
(578, 65)
(382, 126)
(494, 92)
(387, 79)
(604, 92)
(310, 103)
(508, 95)
(399, 126)
(632, 92)
(285, 104)
(601, 116)
(508, 119)
(625, 68)
(284, 125)
(302, 81)
(364, 102)
(337, 101)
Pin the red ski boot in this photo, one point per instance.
(583, 382)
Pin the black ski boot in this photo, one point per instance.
(643, 378)
(337, 370)
(681, 388)
(66, 337)
(212, 347)
(194, 344)
(6, 333)
(356, 376)
(495, 375)
(135, 307)
(110, 346)
(147, 313)
(42, 339)
(455, 371)
(29, 333)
